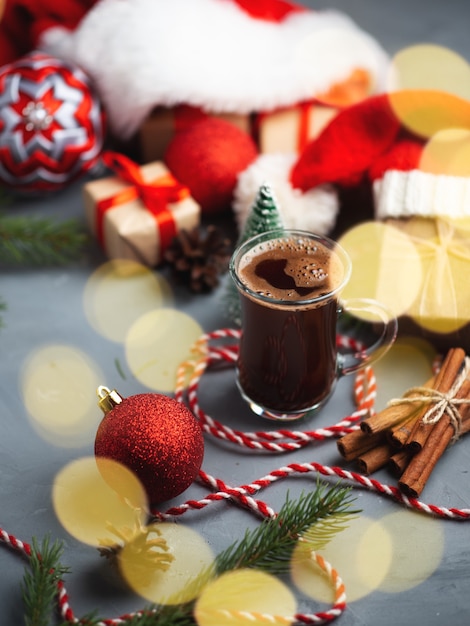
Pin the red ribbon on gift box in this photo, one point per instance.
(156, 195)
(302, 136)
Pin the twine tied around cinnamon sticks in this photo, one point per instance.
(439, 402)
(411, 433)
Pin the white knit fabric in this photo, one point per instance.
(315, 210)
(210, 53)
(416, 193)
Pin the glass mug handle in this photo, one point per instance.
(350, 363)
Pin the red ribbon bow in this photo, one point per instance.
(155, 195)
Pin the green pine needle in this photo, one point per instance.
(264, 215)
(315, 517)
(40, 582)
(30, 241)
(180, 615)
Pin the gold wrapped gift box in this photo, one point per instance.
(420, 268)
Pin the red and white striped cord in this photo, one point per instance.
(282, 440)
(243, 495)
(365, 390)
(337, 608)
(272, 441)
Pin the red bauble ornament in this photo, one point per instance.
(154, 436)
(207, 157)
(51, 124)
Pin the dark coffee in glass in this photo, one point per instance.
(289, 284)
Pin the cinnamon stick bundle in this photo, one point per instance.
(451, 368)
(404, 436)
(395, 415)
(423, 462)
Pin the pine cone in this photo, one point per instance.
(199, 257)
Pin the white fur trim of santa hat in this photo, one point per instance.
(315, 211)
(401, 194)
(211, 54)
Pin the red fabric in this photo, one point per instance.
(25, 20)
(270, 10)
(348, 146)
(403, 156)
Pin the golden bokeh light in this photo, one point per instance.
(447, 153)
(226, 599)
(361, 553)
(157, 343)
(419, 270)
(430, 67)
(57, 385)
(385, 265)
(427, 112)
(418, 547)
(89, 509)
(121, 291)
(407, 364)
(191, 563)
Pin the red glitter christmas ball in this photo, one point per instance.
(207, 157)
(156, 437)
(51, 124)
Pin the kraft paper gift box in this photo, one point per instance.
(157, 131)
(289, 129)
(137, 213)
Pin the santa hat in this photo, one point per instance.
(384, 140)
(306, 185)
(235, 56)
(315, 209)
(380, 141)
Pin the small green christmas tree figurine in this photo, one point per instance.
(264, 215)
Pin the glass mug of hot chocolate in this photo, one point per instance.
(289, 283)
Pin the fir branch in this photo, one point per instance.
(315, 517)
(41, 241)
(178, 615)
(40, 582)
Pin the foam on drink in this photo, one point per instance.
(291, 269)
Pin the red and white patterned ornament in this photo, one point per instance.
(51, 123)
